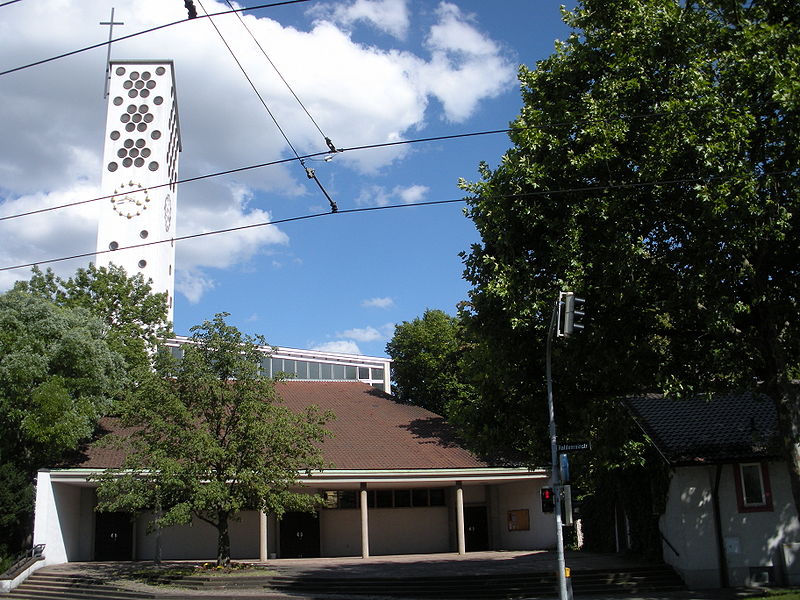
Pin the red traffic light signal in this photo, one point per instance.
(548, 500)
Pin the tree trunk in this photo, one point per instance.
(223, 540)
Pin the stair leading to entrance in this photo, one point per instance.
(59, 586)
(507, 586)
(489, 587)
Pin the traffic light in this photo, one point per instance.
(548, 500)
(570, 313)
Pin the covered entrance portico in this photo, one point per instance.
(421, 511)
(363, 513)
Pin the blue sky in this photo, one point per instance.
(369, 71)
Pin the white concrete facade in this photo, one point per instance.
(140, 173)
(65, 518)
(756, 544)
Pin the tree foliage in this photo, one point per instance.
(57, 377)
(425, 357)
(210, 438)
(654, 170)
(135, 318)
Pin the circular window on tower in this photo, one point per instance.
(142, 264)
(160, 70)
(113, 246)
(143, 234)
(120, 70)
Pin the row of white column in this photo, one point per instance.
(462, 546)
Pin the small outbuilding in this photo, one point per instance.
(730, 518)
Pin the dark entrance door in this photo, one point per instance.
(113, 536)
(476, 525)
(299, 535)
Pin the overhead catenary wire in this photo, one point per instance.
(9, 2)
(283, 79)
(312, 155)
(552, 192)
(262, 165)
(309, 172)
(231, 230)
(143, 32)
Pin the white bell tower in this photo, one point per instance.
(140, 171)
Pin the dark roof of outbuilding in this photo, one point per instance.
(737, 426)
(371, 430)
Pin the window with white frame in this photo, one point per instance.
(752, 487)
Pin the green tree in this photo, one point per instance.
(58, 375)
(425, 361)
(209, 438)
(654, 170)
(135, 318)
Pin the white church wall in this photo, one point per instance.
(408, 530)
(391, 531)
(58, 520)
(522, 496)
(340, 532)
(198, 541)
(46, 529)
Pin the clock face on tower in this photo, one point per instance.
(167, 212)
(130, 200)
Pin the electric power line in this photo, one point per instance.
(363, 147)
(231, 230)
(138, 33)
(7, 3)
(309, 172)
(617, 186)
(289, 87)
(261, 165)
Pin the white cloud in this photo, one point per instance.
(50, 234)
(413, 193)
(216, 207)
(389, 16)
(365, 334)
(357, 93)
(343, 346)
(466, 65)
(376, 195)
(384, 302)
(193, 284)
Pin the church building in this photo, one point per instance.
(400, 480)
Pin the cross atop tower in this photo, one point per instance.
(110, 24)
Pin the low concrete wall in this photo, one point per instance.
(8, 584)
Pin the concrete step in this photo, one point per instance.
(587, 584)
(46, 586)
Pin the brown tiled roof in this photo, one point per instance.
(698, 430)
(371, 431)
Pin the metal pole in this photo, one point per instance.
(555, 480)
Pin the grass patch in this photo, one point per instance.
(155, 575)
(784, 594)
